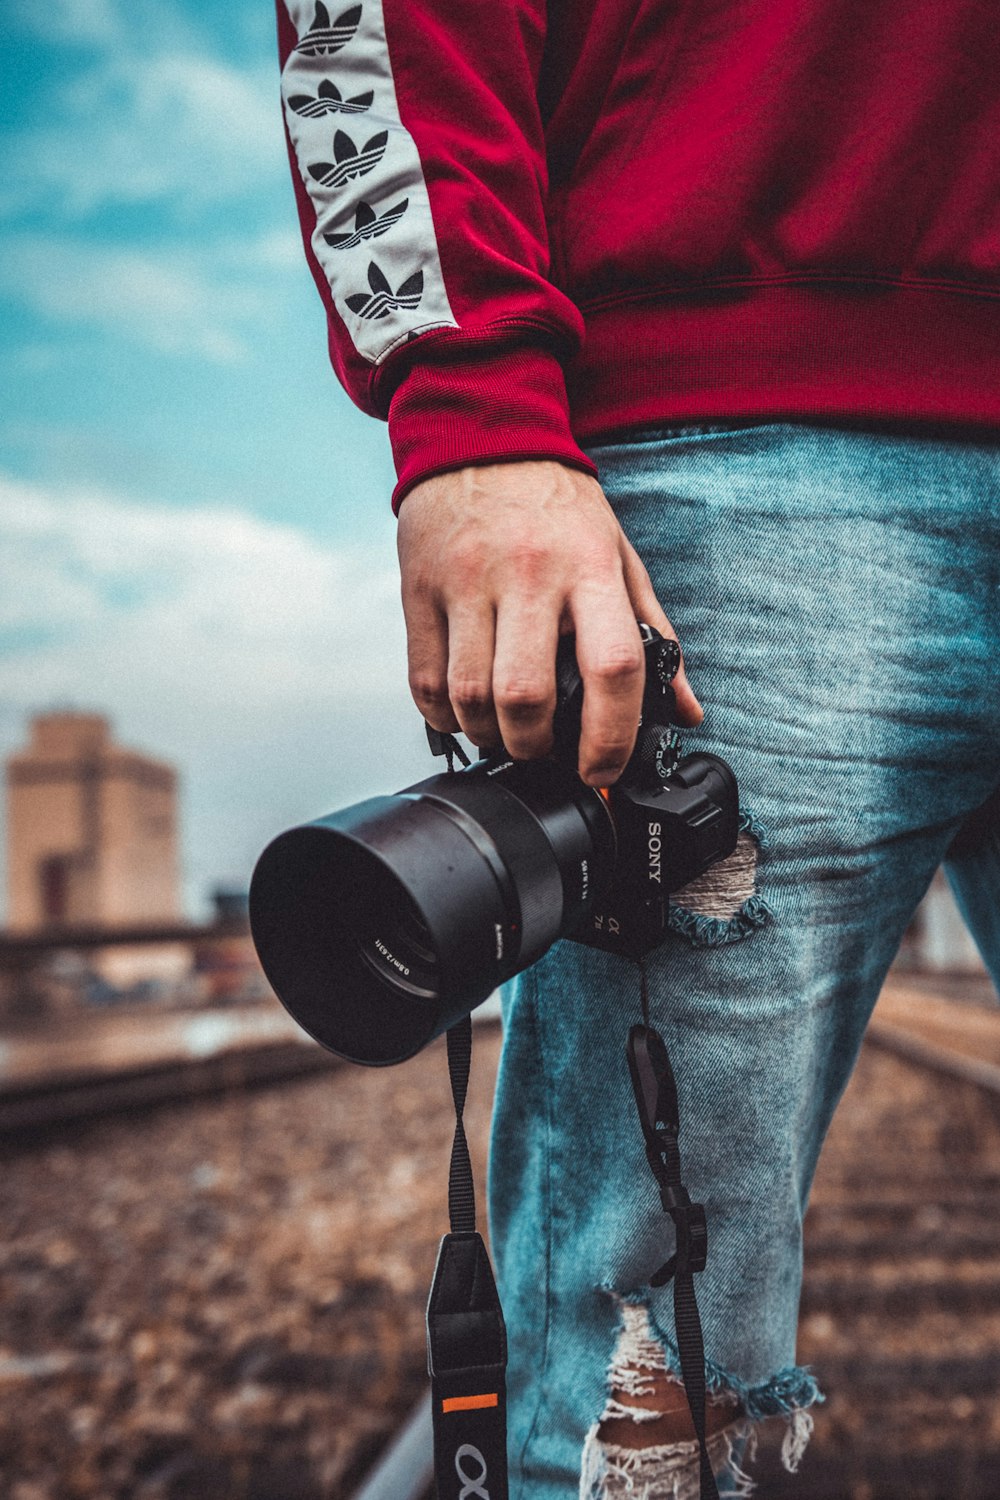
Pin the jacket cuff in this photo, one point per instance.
(480, 406)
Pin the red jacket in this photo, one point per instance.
(534, 225)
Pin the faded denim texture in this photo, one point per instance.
(837, 595)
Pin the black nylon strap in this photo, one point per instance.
(446, 744)
(656, 1099)
(466, 1337)
(461, 1186)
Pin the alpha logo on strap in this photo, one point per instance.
(472, 1485)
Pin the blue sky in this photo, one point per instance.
(196, 533)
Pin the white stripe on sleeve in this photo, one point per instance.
(374, 234)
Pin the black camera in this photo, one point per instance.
(382, 925)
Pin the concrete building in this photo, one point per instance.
(91, 829)
(91, 836)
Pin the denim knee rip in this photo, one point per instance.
(723, 904)
(613, 1471)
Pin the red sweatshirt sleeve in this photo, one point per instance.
(419, 165)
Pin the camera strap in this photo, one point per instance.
(466, 1337)
(656, 1100)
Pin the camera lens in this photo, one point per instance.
(381, 925)
(401, 953)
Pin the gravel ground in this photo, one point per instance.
(226, 1298)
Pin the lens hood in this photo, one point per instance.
(381, 925)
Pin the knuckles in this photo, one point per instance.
(531, 563)
(523, 697)
(609, 755)
(615, 664)
(429, 692)
(465, 568)
(469, 696)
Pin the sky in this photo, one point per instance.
(195, 533)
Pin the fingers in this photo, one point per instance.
(495, 679)
(609, 655)
(524, 675)
(427, 660)
(470, 670)
(495, 560)
(647, 608)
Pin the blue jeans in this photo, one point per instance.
(837, 595)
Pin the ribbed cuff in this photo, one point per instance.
(481, 403)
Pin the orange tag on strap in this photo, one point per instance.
(469, 1403)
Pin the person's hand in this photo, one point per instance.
(497, 560)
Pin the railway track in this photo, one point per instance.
(49, 1085)
(46, 1107)
(186, 1057)
(900, 1313)
(279, 1344)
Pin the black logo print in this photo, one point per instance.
(383, 299)
(329, 101)
(322, 38)
(349, 161)
(367, 225)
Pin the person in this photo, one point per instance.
(686, 308)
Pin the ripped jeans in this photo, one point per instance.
(836, 592)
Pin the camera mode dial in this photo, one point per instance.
(663, 660)
(656, 755)
(666, 661)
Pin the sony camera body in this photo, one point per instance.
(673, 816)
(381, 925)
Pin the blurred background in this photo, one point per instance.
(216, 1243)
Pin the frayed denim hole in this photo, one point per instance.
(789, 1394)
(614, 1470)
(723, 904)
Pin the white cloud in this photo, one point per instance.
(176, 302)
(270, 667)
(250, 601)
(275, 250)
(145, 115)
(152, 117)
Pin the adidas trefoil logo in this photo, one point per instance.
(367, 225)
(383, 299)
(329, 101)
(322, 38)
(348, 160)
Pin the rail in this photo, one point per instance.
(406, 1469)
(18, 949)
(926, 1054)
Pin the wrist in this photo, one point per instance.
(487, 406)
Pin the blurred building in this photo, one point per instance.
(92, 838)
(91, 829)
